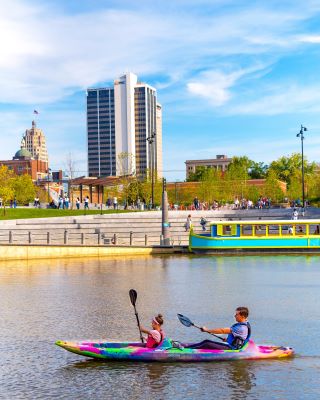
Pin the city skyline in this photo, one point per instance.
(233, 77)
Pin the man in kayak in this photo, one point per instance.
(238, 334)
(156, 334)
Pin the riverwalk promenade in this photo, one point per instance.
(114, 234)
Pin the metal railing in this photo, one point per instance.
(67, 238)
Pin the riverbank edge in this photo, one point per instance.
(29, 252)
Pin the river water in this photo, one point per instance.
(42, 301)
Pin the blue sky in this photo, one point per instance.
(234, 77)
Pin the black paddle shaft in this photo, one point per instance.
(187, 322)
(133, 298)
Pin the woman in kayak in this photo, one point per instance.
(238, 334)
(156, 334)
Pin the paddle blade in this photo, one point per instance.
(133, 296)
(185, 320)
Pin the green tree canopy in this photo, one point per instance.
(288, 168)
(239, 168)
(272, 188)
(258, 170)
(6, 185)
(198, 175)
(24, 189)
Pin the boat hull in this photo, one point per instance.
(254, 237)
(126, 351)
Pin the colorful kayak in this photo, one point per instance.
(126, 351)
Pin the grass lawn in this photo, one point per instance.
(20, 213)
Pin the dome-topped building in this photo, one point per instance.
(22, 154)
(32, 158)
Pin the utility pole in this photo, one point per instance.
(302, 129)
(165, 217)
(151, 140)
(48, 176)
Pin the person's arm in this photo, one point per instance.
(217, 331)
(144, 330)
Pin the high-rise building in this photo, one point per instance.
(34, 141)
(101, 132)
(124, 129)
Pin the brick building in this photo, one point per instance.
(23, 163)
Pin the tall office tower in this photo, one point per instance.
(34, 141)
(101, 132)
(129, 120)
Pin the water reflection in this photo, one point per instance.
(161, 378)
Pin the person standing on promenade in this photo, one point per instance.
(188, 224)
(86, 203)
(115, 203)
(238, 334)
(78, 203)
(66, 202)
(203, 223)
(60, 202)
(196, 203)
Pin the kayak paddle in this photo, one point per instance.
(133, 298)
(187, 322)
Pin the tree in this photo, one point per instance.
(272, 188)
(134, 191)
(70, 169)
(287, 168)
(24, 189)
(126, 172)
(210, 185)
(6, 186)
(146, 189)
(197, 175)
(258, 170)
(239, 167)
(125, 164)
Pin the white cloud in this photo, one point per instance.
(314, 39)
(46, 55)
(282, 99)
(215, 86)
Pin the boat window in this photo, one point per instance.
(274, 229)
(227, 230)
(286, 230)
(246, 230)
(300, 229)
(260, 230)
(314, 229)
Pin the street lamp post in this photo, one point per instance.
(302, 129)
(48, 177)
(151, 139)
